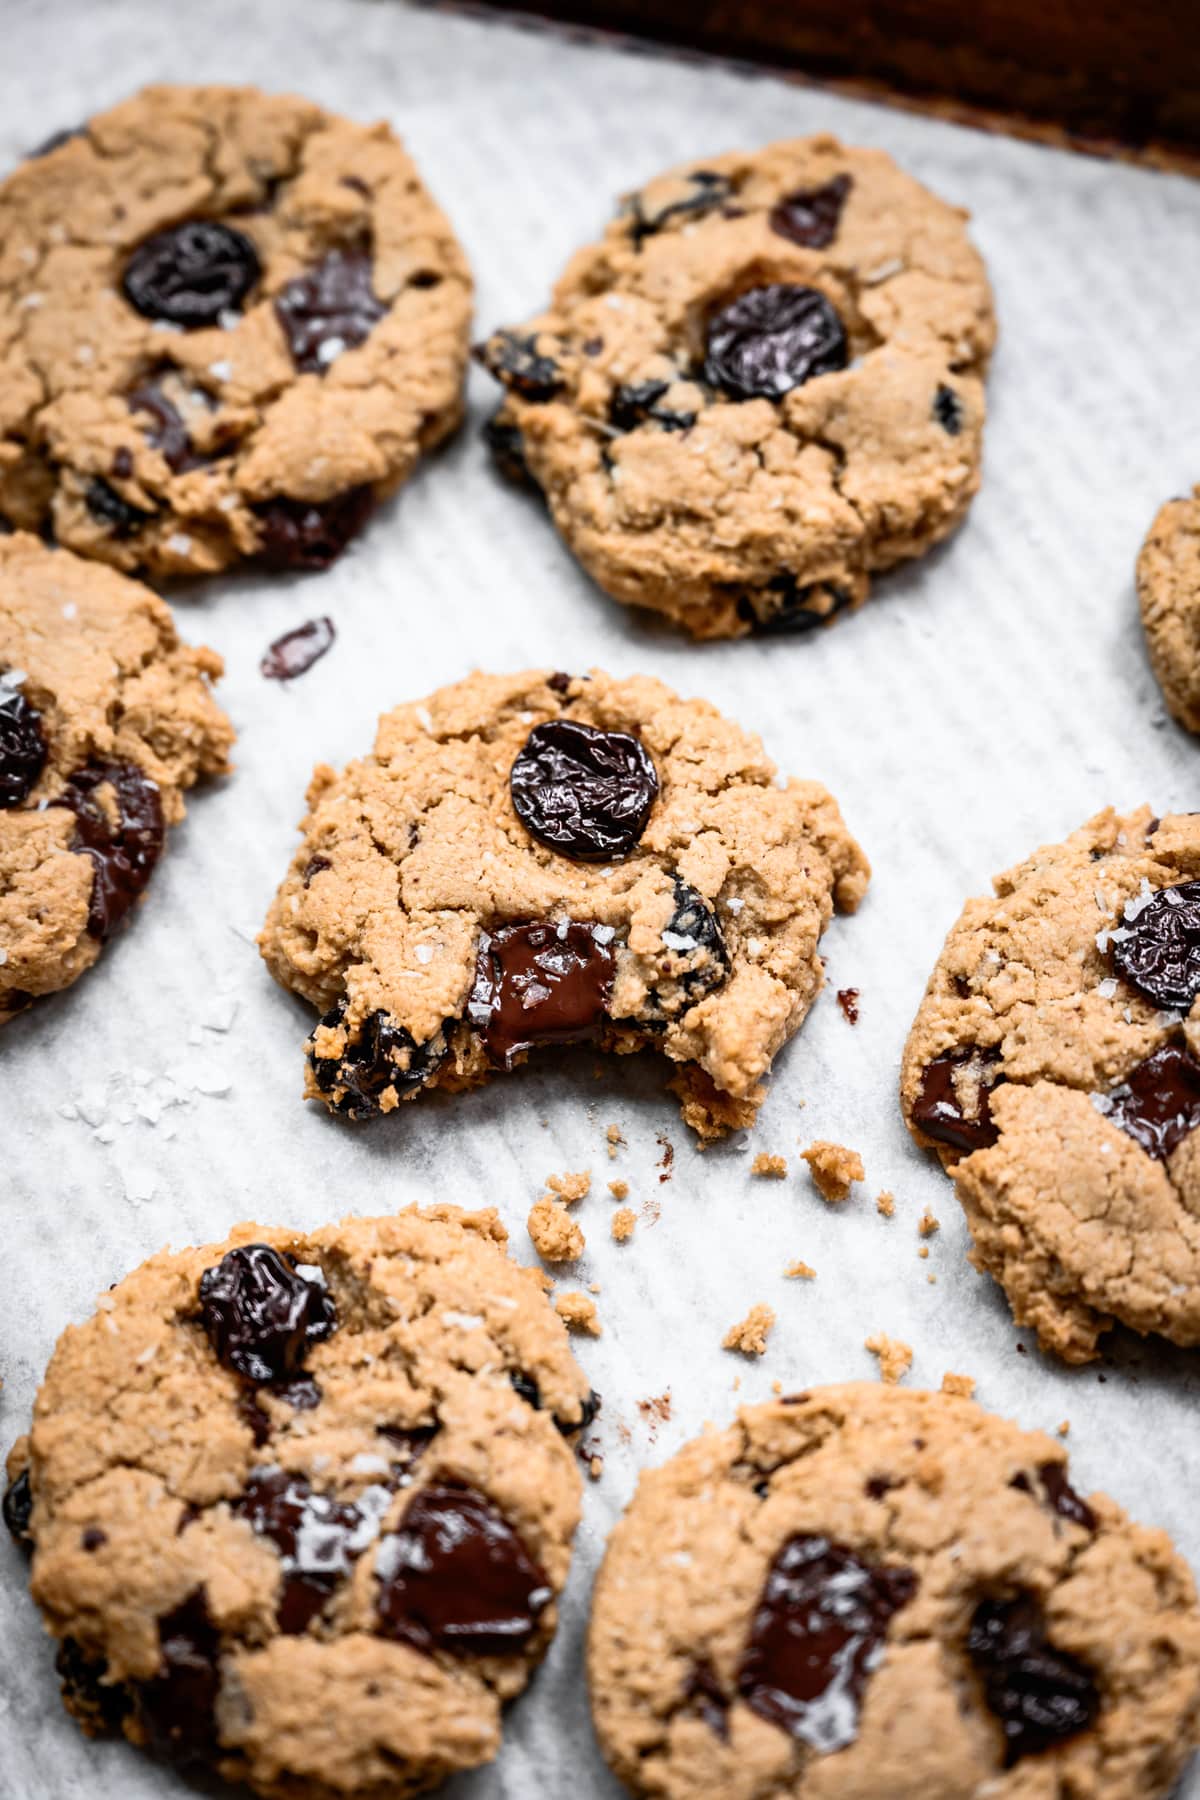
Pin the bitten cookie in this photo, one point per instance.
(1055, 1066)
(861, 1591)
(300, 1507)
(762, 385)
(1168, 582)
(105, 719)
(231, 322)
(543, 858)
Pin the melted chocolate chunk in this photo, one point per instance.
(167, 433)
(18, 1509)
(1159, 1103)
(455, 1576)
(938, 1111)
(178, 1706)
(773, 339)
(301, 535)
(261, 1314)
(782, 608)
(811, 216)
(328, 309)
(98, 1705)
(1039, 1694)
(519, 365)
(638, 402)
(583, 792)
(296, 651)
(191, 273)
(124, 852)
(1161, 954)
(383, 1055)
(816, 1636)
(948, 410)
(539, 984)
(1059, 1494)
(703, 191)
(303, 1393)
(706, 1697)
(507, 449)
(108, 508)
(318, 1538)
(22, 746)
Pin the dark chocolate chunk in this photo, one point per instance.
(55, 141)
(380, 1056)
(507, 448)
(811, 216)
(695, 959)
(302, 535)
(190, 274)
(409, 1443)
(938, 1111)
(948, 410)
(773, 339)
(638, 402)
(178, 1706)
(540, 984)
(330, 308)
(1060, 1496)
(1039, 1694)
(703, 1693)
(703, 191)
(124, 853)
(455, 1576)
(22, 746)
(122, 462)
(583, 792)
(529, 1391)
(519, 365)
(302, 1392)
(314, 866)
(816, 1636)
(93, 1539)
(18, 1509)
(296, 651)
(261, 1314)
(1159, 949)
(1158, 1103)
(167, 432)
(784, 608)
(98, 1705)
(318, 1537)
(108, 508)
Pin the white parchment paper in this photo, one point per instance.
(986, 701)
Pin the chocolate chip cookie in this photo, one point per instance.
(762, 385)
(1055, 1067)
(1168, 582)
(105, 719)
(300, 1507)
(543, 859)
(232, 322)
(861, 1591)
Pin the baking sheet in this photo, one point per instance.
(987, 701)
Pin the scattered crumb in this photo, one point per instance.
(834, 1169)
(651, 1212)
(895, 1358)
(623, 1222)
(777, 1387)
(595, 1467)
(750, 1335)
(615, 1141)
(555, 1234)
(885, 1203)
(593, 1287)
(1064, 1429)
(769, 1165)
(800, 1271)
(963, 1386)
(571, 1188)
(924, 1250)
(928, 1224)
(578, 1313)
(932, 1280)
(656, 1411)
(667, 1158)
(619, 1190)
(847, 999)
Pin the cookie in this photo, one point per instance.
(1168, 582)
(544, 859)
(232, 323)
(105, 718)
(300, 1506)
(762, 385)
(1055, 1066)
(862, 1591)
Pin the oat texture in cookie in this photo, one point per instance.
(1168, 582)
(105, 719)
(1055, 1066)
(232, 322)
(763, 385)
(861, 1592)
(300, 1507)
(544, 859)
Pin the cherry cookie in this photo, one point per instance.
(300, 1507)
(1055, 1066)
(862, 1591)
(105, 719)
(762, 385)
(233, 322)
(542, 859)
(1168, 582)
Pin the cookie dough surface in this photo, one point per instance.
(442, 940)
(301, 1506)
(859, 1592)
(248, 384)
(1168, 581)
(105, 719)
(1055, 1066)
(750, 469)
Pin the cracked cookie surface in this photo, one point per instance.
(764, 384)
(540, 858)
(1168, 582)
(231, 321)
(861, 1591)
(301, 1506)
(105, 719)
(1054, 1064)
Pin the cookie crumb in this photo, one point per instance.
(1064, 1429)
(623, 1222)
(595, 1467)
(615, 1141)
(924, 1250)
(963, 1386)
(800, 1271)
(928, 1224)
(578, 1313)
(619, 1190)
(895, 1357)
(571, 1188)
(834, 1169)
(750, 1335)
(555, 1234)
(775, 1166)
(656, 1411)
(885, 1203)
